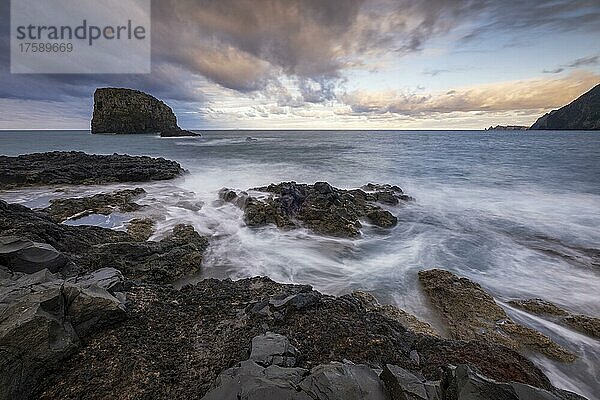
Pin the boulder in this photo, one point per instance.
(403, 385)
(42, 319)
(250, 381)
(343, 381)
(23, 255)
(273, 349)
(472, 314)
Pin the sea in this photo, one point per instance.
(516, 211)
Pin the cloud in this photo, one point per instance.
(580, 62)
(535, 94)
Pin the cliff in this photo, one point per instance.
(127, 111)
(581, 114)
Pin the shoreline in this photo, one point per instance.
(282, 205)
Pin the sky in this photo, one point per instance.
(337, 64)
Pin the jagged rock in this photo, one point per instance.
(141, 229)
(105, 204)
(250, 381)
(343, 381)
(127, 111)
(582, 113)
(42, 319)
(464, 383)
(89, 248)
(178, 132)
(585, 324)
(472, 314)
(23, 255)
(175, 343)
(403, 385)
(319, 207)
(273, 349)
(78, 168)
(409, 321)
(177, 255)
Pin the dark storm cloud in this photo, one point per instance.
(249, 46)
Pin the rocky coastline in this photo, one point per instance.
(90, 312)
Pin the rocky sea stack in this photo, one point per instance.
(581, 114)
(128, 111)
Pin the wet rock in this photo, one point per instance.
(140, 229)
(105, 204)
(464, 383)
(175, 343)
(78, 168)
(585, 324)
(319, 207)
(539, 307)
(403, 385)
(178, 132)
(23, 255)
(42, 319)
(177, 255)
(472, 314)
(343, 381)
(382, 218)
(273, 349)
(409, 321)
(89, 248)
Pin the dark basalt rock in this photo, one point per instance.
(88, 248)
(77, 168)
(581, 114)
(175, 343)
(583, 323)
(472, 314)
(273, 349)
(178, 132)
(22, 255)
(177, 255)
(140, 229)
(105, 204)
(42, 321)
(319, 207)
(347, 381)
(128, 111)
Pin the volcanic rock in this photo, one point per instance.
(127, 111)
(319, 207)
(77, 168)
(23, 255)
(472, 314)
(105, 204)
(42, 319)
(585, 324)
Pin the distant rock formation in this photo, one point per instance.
(128, 111)
(507, 128)
(581, 114)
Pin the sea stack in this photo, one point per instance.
(582, 113)
(128, 111)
